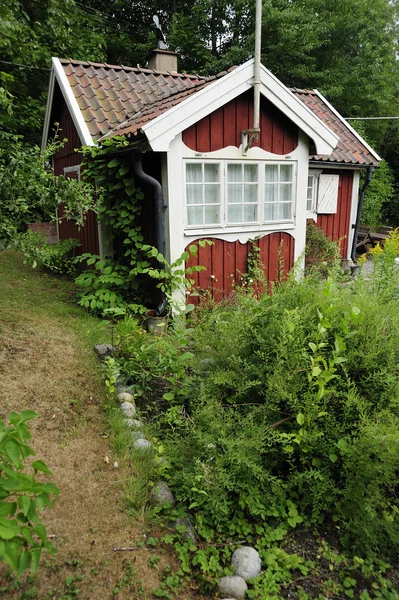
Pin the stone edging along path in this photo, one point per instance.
(246, 561)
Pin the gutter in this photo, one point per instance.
(156, 187)
(359, 211)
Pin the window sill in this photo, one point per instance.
(216, 230)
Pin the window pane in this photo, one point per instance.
(194, 193)
(212, 215)
(271, 173)
(211, 173)
(194, 172)
(234, 193)
(250, 172)
(250, 212)
(250, 193)
(234, 213)
(270, 212)
(285, 211)
(194, 215)
(286, 173)
(234, 172)
(285, 192)
(211, 193)
(271, 193)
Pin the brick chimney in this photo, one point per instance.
(162, 60)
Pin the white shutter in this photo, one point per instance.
(328, 194)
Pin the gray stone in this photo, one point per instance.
(128, 409)
(246, 562)
(133, 423)
(161, 494)
(125, 397)
(137, 435)
(103, 350)
(232, 586)
(189, 533)
(142, 445)
(120, 389)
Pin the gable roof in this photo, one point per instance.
(106, 100)
(351, 148)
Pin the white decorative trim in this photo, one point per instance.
(49, 105)
(161, 130)
(355, 133)
(73, 106)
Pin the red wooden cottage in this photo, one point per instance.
(201, 176)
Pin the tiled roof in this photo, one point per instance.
(119, 100)
(108, 95)
(349, 149)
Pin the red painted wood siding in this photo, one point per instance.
(223, 127)
(225, 262)
(336, 226)
(67, 157)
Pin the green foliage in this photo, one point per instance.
(55, 257)
(379, 193)
(321, 253)
(22, 496)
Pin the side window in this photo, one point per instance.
(203, 194)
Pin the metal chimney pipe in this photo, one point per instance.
(258, 32)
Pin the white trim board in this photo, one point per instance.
(355, 133)
(58, 74)
(163, 129)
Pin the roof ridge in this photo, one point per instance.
(138, 69)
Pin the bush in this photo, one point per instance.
(55, 257)
(22, 496)
(321, 253)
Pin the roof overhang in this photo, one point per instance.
(162, 130)
(58, 74)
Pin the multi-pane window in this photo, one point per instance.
(242, 193)
(310, 193)
(278, 192)
(228, 193)
(203, 193)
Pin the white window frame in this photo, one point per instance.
(315, 175)
(260, 222)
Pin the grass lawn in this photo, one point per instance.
(47, 364)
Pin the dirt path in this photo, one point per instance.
(46, 364)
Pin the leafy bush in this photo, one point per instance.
(321, 254)
(55, 257)
(22, 496)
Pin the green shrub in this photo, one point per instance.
(22, 496)
(321, 253)
(55, 257)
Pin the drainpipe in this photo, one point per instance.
(154, 184)
(359, 211)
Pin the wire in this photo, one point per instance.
(5, 62)
(368, 118)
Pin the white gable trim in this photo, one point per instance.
(355, 133)
(161, 131)
(58, 74)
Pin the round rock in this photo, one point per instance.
(246, 562)
(103, 350)
(161, 494)
(142, 445)
(137, 435)
(133, 423)
(232, 586)
(125, 397)
(189, 532)
(128, 409)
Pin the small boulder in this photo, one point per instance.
(128, 409)
(125, 397)
(232, 586)
(246, 562)
(120, 389)
(137, 435)
(133, 423)
(161, 494)
(142, 445)
(189, 532)
(103, 350)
